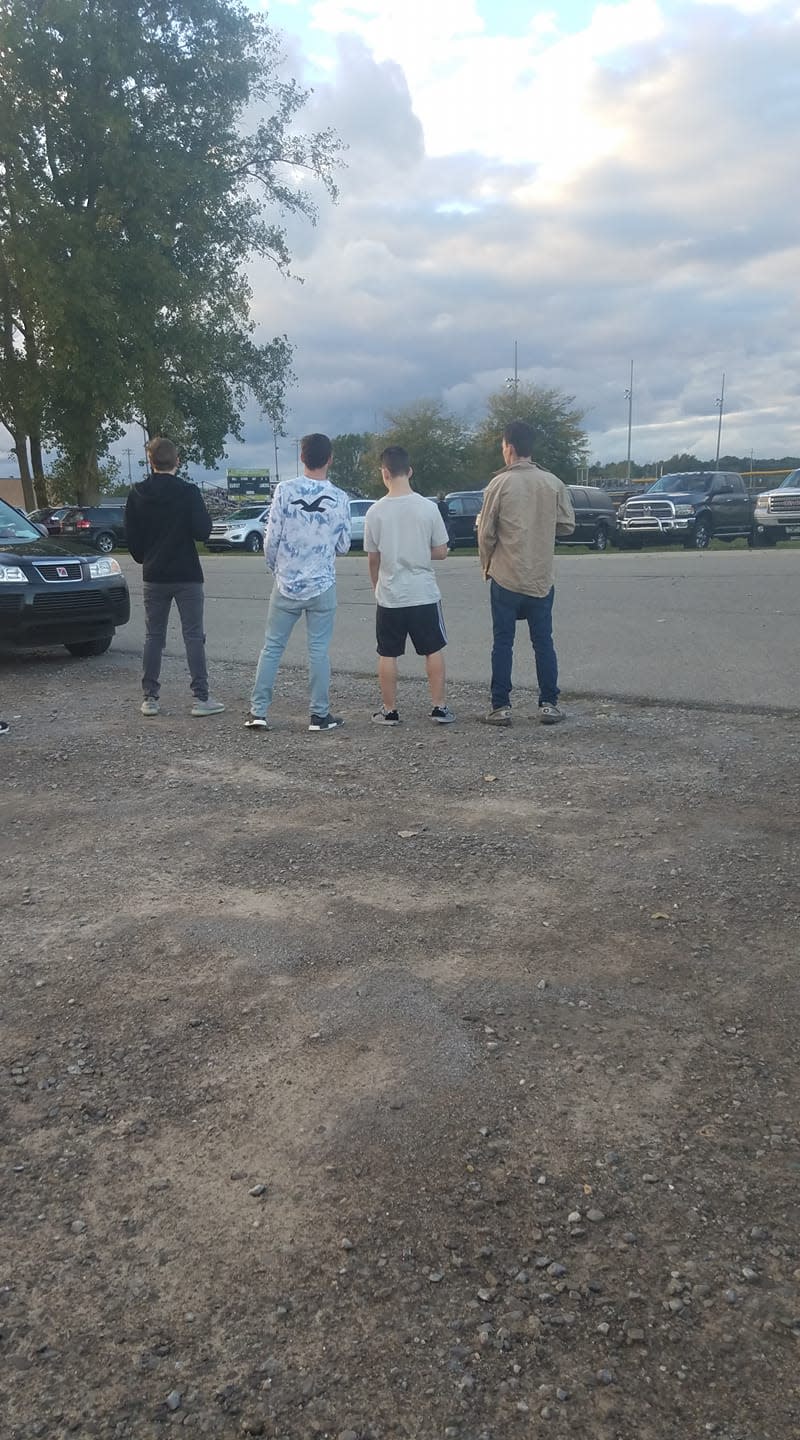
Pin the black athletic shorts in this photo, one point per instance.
(422, 624)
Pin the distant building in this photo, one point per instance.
(12, 491)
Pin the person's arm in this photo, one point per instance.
(200, 518)
(133, 533)
(565, 514)
(440, 541)
(343, 542)
(373, 553)
(487, 528)
(272, 538)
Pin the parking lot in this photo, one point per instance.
(436, 1083)
(718, 627)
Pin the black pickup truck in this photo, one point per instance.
(696, 507)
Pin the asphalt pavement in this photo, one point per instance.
(714, 628)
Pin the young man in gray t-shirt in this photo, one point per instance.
(403, 534)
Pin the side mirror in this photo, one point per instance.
(43, 530)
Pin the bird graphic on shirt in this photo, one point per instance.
(314, 507)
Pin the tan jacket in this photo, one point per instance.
(524, 508)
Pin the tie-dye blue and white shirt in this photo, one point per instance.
(308, 526)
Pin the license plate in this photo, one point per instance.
(792, 529)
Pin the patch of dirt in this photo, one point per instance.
(520, 1087)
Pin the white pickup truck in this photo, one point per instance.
(777, 512)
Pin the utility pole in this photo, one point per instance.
(720, 404)
(127, 451)
(629, 398)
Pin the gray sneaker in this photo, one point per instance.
(550, 714)
(500, 716)
(150, 706)
(442, 715)
(207, 707)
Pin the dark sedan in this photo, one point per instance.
(53, 593)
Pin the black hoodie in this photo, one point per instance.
(163, 518)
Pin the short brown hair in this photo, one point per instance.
(163, 455)
(395, 460)
(315, 451)
(522, 436)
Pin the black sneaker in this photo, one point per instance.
(442, 715)
(325, 722)
(256, 722)
(385, 717)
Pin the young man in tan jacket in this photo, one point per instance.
(524, 508)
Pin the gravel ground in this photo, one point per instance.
(434, 1082)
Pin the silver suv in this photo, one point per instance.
(243, 530)
(777, 512)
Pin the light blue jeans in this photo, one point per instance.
(282, 616)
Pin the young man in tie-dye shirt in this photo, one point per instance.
(308, 526)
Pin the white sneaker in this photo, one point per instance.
(150, 706)
(207, 707)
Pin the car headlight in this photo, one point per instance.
(12, 575)
(684, 509)
(100, 569)
(762, 502)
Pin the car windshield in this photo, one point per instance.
(247, 512)
(792, 482)
(680, 484)
(14, 526)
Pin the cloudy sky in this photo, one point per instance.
(602, 183)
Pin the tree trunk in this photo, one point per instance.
(87, 482)
(37, 466)
(20, 449)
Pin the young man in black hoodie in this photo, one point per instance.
(164, 516)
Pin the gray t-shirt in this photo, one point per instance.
(403, 528)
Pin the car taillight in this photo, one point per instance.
(83, 525)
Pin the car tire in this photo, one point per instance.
(104, 542)
(254, 543)
(82, 649)
(600, 541)
(700, 538)
(764, 541)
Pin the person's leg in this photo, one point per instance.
(505, 610)
(320, 617)
(387, 680)
(157, 601)
(539, 615)
(189, 600)
(435, 670)
(282, 616)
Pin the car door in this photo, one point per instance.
(456, 520)
(473, 505)
(741, 509)
(723, 505)
(583, 534)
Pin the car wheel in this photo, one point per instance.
(254, 543)
(764, 541)
(104, 542)
(700, 538)
(601, 538)
(82, 649)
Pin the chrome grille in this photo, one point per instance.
(659, 509)
(56, 572)
(784, 504)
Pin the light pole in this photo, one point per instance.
(629, 398)
(513, 383)
(720, 404)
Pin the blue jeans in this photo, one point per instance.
(507, 608)
(282, 616)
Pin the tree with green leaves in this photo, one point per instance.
(147, 153)
(354, 467)
(561, 443)
(436, 441)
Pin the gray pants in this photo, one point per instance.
(158, 598)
